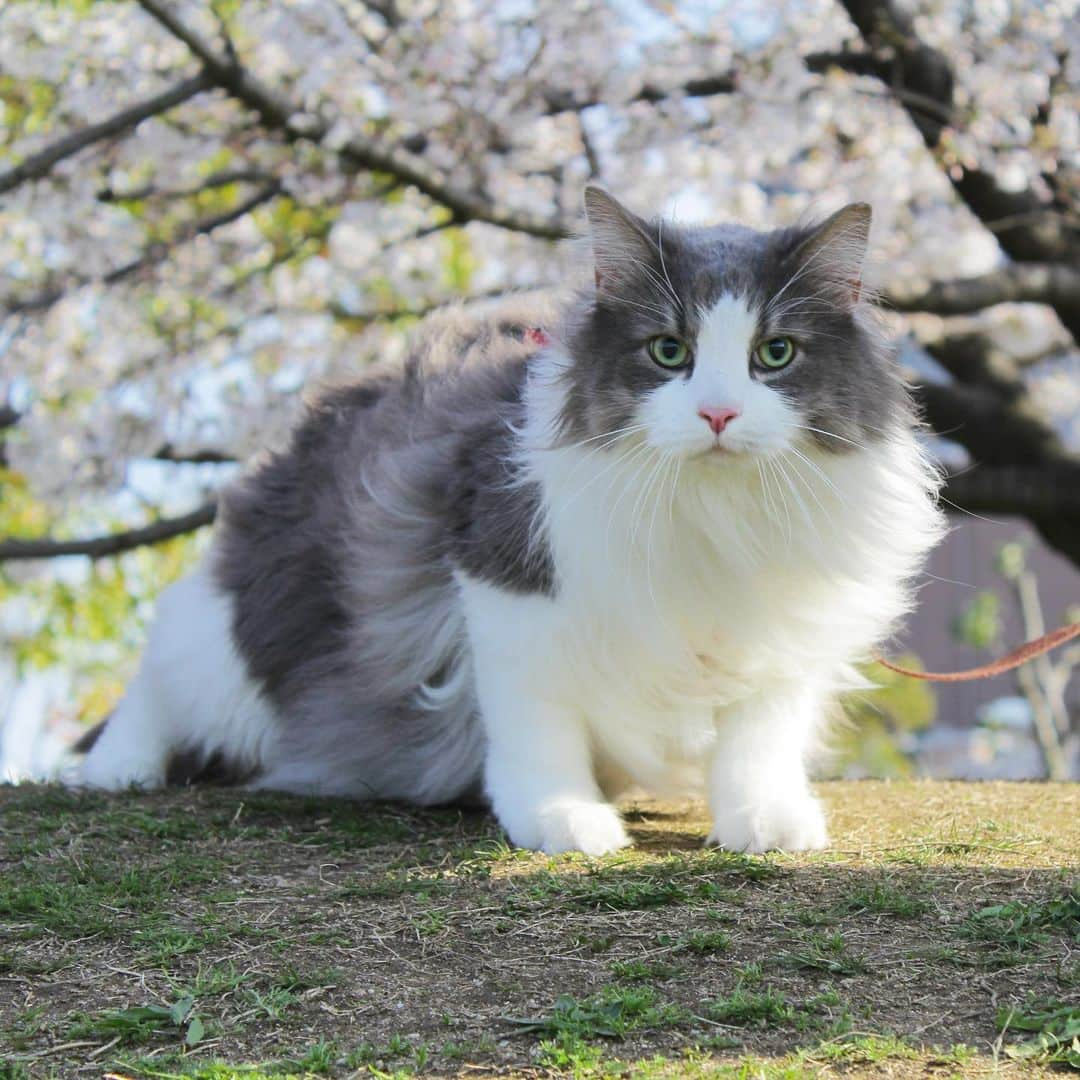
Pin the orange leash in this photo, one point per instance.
(1005, 663)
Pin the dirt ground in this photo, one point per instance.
(216, 934)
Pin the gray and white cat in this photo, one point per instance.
(636, 538)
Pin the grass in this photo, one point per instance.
(825, 952)
(143, 1023)
(214, 935)
(1051, 1032)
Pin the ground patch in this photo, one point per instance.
(217, 934)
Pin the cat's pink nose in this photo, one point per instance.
(717, 419)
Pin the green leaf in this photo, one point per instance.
(181, 1010)
(195, 1032)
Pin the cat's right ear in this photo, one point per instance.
(621, 241)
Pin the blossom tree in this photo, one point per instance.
(207, 204)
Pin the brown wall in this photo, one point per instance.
(967, 556)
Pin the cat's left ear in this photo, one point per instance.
(836, 251)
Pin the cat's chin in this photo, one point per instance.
(725, 457)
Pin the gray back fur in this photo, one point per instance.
(339, 554)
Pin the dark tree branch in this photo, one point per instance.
(99, 547)
(39, 164)
(1053, 284)
(209, 456)
(357, 152)
(557, 100)
(995, 431)
(1044, 491)
(908, 66)
(153, 255)
(1009, 439)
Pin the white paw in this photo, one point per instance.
(791, 824)
(570, 825)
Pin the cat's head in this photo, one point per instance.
(724, 344)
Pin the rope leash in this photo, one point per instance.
(1014, 659)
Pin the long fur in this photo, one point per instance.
(523, 570)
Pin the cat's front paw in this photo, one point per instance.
(792, 824)
(594, 828)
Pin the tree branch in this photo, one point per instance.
(1012, 442)
(101, 546)
(1044, 491)
(558, 100)
(215, 180)
(1054, 284)
(39, 164)
(907, 66)
(356, 152)
(167, 452)
(154, 254)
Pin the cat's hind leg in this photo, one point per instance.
(191, 698)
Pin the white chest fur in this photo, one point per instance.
(683, 591)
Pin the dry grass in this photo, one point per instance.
(214, 934)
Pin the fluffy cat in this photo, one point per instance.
(636, 538)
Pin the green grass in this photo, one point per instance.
(611, 1013)
(1023, 923)
(824, 952)
(852, 1048)
(752, 1008)
(645, 971)
(701, 942)
(1051, 1028)
(633, 883)
(143, 1023)
(884, 897)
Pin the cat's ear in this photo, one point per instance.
(621, 241)
(835, 252)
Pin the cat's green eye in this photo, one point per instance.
(669, 352)
(776, 353)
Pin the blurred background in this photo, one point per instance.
(207, 205)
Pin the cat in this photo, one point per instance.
(639, 536)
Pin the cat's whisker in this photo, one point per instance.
(825, 251)
(674, 488)
(820, 472)
(621, 458)
(771, 512)
(629, 428)
(806, 332)
(659, 282)
(663, 266)
(813, 494)
(803, 508)
(627, 482)
(649, 309)
(809, 305)
(660, 473)
(641, 499)
(831, 434)
(783, 500)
